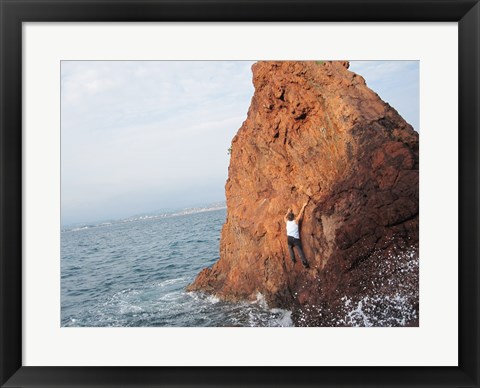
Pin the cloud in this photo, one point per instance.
(147, 130)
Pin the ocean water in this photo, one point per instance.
(134, 274)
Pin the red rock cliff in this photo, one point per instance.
(315, 131)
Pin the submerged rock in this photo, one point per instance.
(316, 132)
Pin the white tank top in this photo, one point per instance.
(292, 229)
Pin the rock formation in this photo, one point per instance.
(316, 132)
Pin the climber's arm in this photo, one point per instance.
(286, 215)
(300, 215)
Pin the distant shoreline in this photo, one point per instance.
(174, 213)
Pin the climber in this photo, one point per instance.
(293, 233)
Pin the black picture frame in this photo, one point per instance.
(15, 12)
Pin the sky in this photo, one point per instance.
(142, 136)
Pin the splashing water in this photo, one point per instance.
(390, 297)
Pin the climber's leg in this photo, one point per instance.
(298, 245)
(291, 243)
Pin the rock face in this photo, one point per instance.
(316, 132)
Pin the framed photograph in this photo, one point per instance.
(230, 193)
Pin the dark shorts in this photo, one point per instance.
(292, 241)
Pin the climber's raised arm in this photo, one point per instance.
(286, 215)
(300, 215)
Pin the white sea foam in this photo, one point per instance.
(261, 300)
(169, 282)
(284, 319)
(391, 300)
(200, 297)
(276, 317)
(213, 299)
(383, 311)
(171, 296)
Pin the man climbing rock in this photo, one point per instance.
(293, 233)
